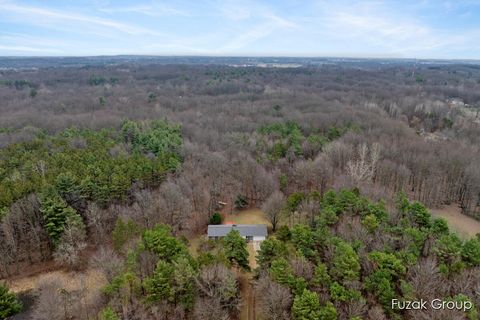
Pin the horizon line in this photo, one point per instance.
(236, 56)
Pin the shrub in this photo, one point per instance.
(108, 314)
(9, 304)
(283, 233)
(216, 218)
(471, 252)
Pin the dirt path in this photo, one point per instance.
(249, 216)
(464, 226)
(247, 311)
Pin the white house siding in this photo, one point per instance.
(258, 238)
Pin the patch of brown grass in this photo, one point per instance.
(249, 216)
(464, 226)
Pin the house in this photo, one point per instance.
(251, 232)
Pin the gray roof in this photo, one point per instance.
(221, 230)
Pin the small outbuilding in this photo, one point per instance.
(251, 232)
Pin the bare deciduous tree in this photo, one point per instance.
(273, 207)
(72, 242)
(363, 166)
(274, 300)
(108, 261)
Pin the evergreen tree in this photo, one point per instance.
(345, 262)
(270, 249)
(471, 252)
(420, 215)
(9, 304)
(159, 285)
(321, 278)
(240, 201)
(236, 249)
(216, 218)
(439, 227)
(328, 312)
(55, 213)
(370, 222)
(449, 250)
(160, 241)
(306, 306)
(281, 271)
(302, 237)
(108, 314)
(283, 234)
(184, 282)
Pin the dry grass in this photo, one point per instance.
(464, 226)
(194, 244)
(252, 254)
(249, 216)
(90, 280)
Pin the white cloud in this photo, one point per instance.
(372, 26)
(48, 17)
(153, 10)
(261, 22)
(235, 12)
(315, 27)
(17, 49)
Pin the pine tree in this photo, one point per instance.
(159, 286)
(9, 304)
(55, 213)
(236, 249)
(269, 250)
(306, 306)
(346, 265)
(108, 314)
(281, 271)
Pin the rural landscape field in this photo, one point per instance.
(366, 173)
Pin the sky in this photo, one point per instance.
(315, 28)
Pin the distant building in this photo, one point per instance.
(251, 232)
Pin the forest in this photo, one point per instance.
(117, 166)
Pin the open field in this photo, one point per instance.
(464, 226)
(249, 216)
(91, 279)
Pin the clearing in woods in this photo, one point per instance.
(464, 226)
(90, 279)
(249, 216)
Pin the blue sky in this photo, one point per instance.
(369, 28)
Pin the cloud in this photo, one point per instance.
(48, 17)
(251, 22)
(235, 12)
(375, 26)
(153, 10)
(29, 49)
(410, 28)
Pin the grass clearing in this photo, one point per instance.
(465, 226)
(90, 280)
(194, 244)
(249, 216)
